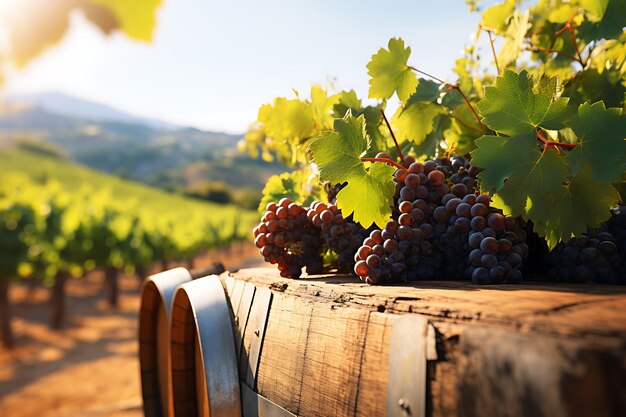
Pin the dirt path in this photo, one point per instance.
(90, 366)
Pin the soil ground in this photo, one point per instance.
(90, 366)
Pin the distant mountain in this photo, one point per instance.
(64, 105)
(172, 157)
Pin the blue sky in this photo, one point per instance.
(213, 63)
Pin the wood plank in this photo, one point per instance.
(282, 361)
(332, 362)
(372, 395)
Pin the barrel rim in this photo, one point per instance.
(156, 294)
(214, 336)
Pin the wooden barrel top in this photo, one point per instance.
(540, 349)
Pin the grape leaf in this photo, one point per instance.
(287, 120)
(369, 193)
(560, 13)
(512, 107)
(496, 17)
(415, 121)
(572, 209)
(610, 27)
(611, 54)
(427, 90)
(462, 130)
(602, 135)
(292, 185)
(389, 72)
(136, 18)
(369, 197)
(531, 174)
(338, 153)
(514, 39)
(349, 101)
(595, 8)
(323, 104)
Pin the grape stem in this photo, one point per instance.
(570, 28)
(392, 136)
(385, 160)
(534, 48)
(493, 51)
(550, 143)
(452, 87)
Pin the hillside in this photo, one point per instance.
(73, 177)
(109, 140)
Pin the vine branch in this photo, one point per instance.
(392, 135)
(493, 51)
(553, 144)
(534, 48)
(568, 26)
(451, 86)
(385, 160)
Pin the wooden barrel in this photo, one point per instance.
(332, 346)
(154, 340)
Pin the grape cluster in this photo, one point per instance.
(441, 228)
(439, 197)
(597, 256)
(289, 239)
(342, 236)
(497, 242)
(393, 254)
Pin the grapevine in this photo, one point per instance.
(52, 230)
(464, 175)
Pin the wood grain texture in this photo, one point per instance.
(332, 361)
(281, 367)
(372, 394)
(534, 349)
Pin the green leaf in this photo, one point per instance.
(136, 18)
(595, 8)
(415, 121)
(338, 153)
(349, 101)
(591, 85)
(561, 13)
(323, 104)
(512, 107)
(602, 146)
(581, 203)
(295, 186)
(369, 193)
(427, 90)
(462, 130)
(389, 72)
(517, 163)
(287, 120)
(496, 17)
(369, 197)
(514, 39)
(611, 25)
